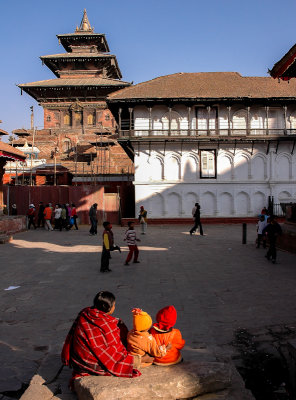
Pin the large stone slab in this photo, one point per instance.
(183, 381)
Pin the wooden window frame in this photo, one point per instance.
(200, 164)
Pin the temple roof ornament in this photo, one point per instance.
(84, 24)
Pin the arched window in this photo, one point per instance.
(66, 119)
(90, 119)
(48, 118)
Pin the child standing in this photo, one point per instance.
(108, 245)
(131, 239)
(164, 333)
(139, 341)
(143, 219)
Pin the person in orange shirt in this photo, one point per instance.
(139, 340)
(164, 333)
(47, 217)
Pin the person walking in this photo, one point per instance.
(64, 217)
(131, 240)
(57, 216)
(143, 219)
(93, 219)
(41, 215)
(47, 217)
(272, 231)
(196, 216)
(31, 216)
(73, 218)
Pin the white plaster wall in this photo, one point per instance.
(168, 183)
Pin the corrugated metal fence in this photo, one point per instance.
(82, 196)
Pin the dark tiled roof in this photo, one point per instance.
(75, 82)
(285, 68)
(78, 55)
(203, 85)
(22, 132)
(6, 148)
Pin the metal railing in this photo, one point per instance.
(124, 132)
(280, 209)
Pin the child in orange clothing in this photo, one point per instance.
(139, 341)
(164, 333)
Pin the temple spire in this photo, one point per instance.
(84, 24)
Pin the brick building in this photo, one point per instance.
(79, 129)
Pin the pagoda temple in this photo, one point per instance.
(79, 129)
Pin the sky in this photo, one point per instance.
(150, 38)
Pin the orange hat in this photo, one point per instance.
(166, 318)
(141, 320)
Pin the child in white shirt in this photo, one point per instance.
(131, 239)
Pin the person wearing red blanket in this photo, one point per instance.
(94, 343)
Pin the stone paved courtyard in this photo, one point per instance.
(217, 285)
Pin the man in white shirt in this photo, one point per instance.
(262, 223)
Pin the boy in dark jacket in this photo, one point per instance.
(108, 245)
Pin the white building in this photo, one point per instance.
(221, 139)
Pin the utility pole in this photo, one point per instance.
(32, 117)
(33, 144)
(32, 152)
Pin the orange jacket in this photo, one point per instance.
(142, 343)
(47, 213)
(174, 337)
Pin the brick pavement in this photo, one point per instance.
(216, 283)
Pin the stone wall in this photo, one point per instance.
(13, 224)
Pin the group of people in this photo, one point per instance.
(268, 229)
(99, 344)
(61, 216)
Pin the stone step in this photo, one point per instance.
(183, 381)
(5, 238)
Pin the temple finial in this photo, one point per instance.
(84, 24)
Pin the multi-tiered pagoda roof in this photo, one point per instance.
(86, 70)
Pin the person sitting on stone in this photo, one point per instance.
(163, 332)
(139, 340)
(94, 343)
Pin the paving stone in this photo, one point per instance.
(182, 381)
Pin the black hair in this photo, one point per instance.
(105, 224)
(129, 223)
(73, 205)
(104, 301)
